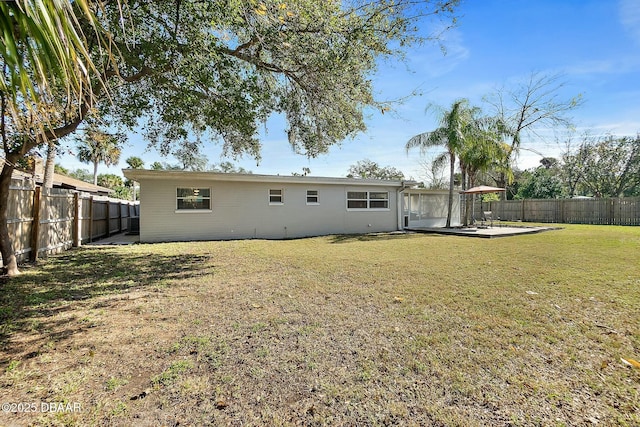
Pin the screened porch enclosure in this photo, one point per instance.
(428, 209)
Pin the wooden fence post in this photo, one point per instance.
(35, 226)
(90, 219)
(119, 216)
(108, 218)
(77, 230)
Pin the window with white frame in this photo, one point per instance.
(313, 198)
(276, 196)
(193, 198)
(367, 200)
(378, 200)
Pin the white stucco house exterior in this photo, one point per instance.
(185, 206)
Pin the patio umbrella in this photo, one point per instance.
(481, 189)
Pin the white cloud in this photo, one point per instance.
(622, 65)
(630, 17)
(435, 61)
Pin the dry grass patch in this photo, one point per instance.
(339, 330)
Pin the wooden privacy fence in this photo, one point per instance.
(614, 211)
(42, 223)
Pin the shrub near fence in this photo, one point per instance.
(614, 211)
(44, 223)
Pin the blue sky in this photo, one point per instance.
(595, 44)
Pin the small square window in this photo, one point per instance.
(276, 197)
(313, 197)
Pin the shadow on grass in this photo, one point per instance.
(32, 301)
(345, 238)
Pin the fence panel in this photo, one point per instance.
(114, 217)
(85, 210)
(56, 221)
(124, 216)
(20, 217)
(45, 222)
(628, 211)
(623, 211)
(99, 218)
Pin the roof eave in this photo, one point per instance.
(144, 174)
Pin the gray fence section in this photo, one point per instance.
(45, 222)
(618, 211)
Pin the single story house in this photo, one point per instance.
(184, 206)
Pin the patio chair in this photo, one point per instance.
(487, 216)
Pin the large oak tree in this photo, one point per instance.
(193, 71)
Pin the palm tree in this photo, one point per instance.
(452, 134)
(99, 147)
(134, 163)
(483, 149)
(43, 50)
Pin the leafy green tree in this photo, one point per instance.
(115, 183)
(212, 70)
(110, 180)
(190, 157)
(611, 166)
(540, 183)
(61, 170)
(122, 192)
(159, 166)
(98, 147)
(82, 175)
(369, 169)
(453, 134)
(572, 170)
(228, 167)
(135, 162)
(309, 61)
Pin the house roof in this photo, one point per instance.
(144, 174)
(62, 181)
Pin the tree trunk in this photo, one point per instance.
(49, 166)
(469, 207)
(452, 168)
(465, 177)
(501, 182)
(9, 260)
(95, 173)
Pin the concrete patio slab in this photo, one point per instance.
(116, 239)
(487, 233)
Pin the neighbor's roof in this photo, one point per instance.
(144, 174)
(63, 181)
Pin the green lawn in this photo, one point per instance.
(341, 330)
